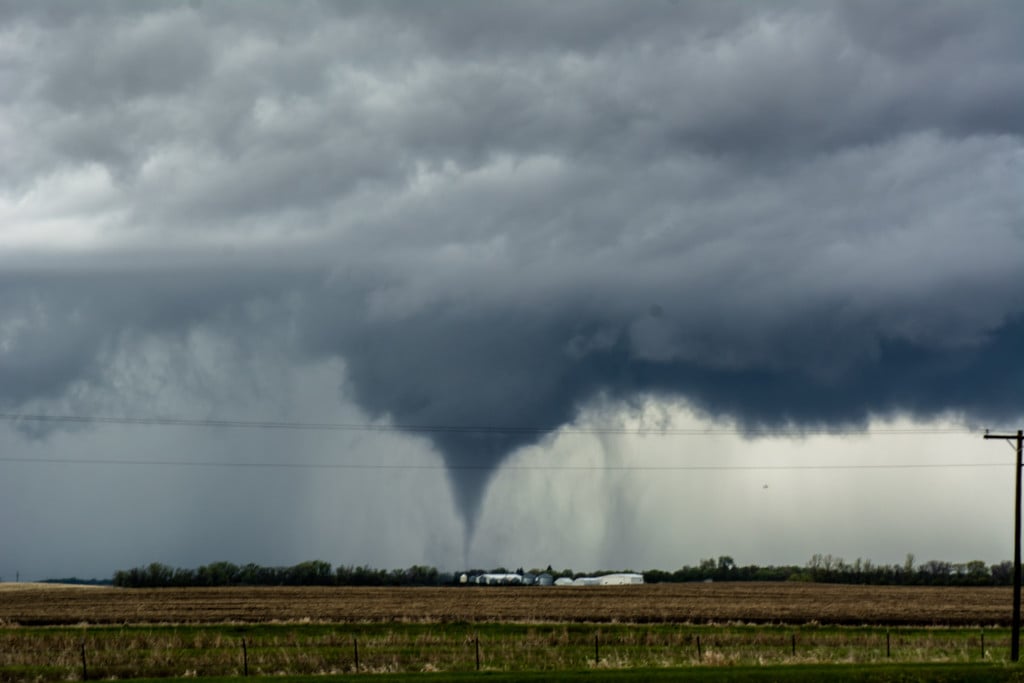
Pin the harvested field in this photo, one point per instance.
(789, 603)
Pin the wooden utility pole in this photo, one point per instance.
(1015, 635)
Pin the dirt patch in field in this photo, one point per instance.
(653, 603)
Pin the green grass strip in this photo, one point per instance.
(843, 673)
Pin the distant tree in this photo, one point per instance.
(418, 575)
(311, 573)
(977, 574)
(1002, 573)
(367, 576)
(183, 578)
(657, 576)
(725, 566)
(935, 572)
(158, 575)
(217, 574)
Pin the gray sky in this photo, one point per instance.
(763, 219)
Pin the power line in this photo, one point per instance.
(468, 429)
(525, 468)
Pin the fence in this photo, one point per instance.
(94, 653)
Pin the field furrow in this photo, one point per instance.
(791, 603)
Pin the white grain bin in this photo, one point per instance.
(545, 579)
(564, 581)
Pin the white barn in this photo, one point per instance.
(624, 579)
(620, 579)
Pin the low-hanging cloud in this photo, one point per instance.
(795, 215)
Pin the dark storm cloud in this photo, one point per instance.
(788, 214)
(62, 326)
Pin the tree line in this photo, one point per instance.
(830, 569)
(819, 569)
(311, 573)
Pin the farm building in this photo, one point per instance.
(586, 581)
(497, 579)
(545, 579)
(609, 580)
(620, 579)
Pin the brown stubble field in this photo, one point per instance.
(787, 603)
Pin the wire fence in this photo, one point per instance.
(57, 654)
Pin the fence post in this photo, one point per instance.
(85, 670)
(888, 649)
(476, 640)
(794, 645)
(700, 655)
(245, 658)
(983, 643)
(597, 652)
(355, 651)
